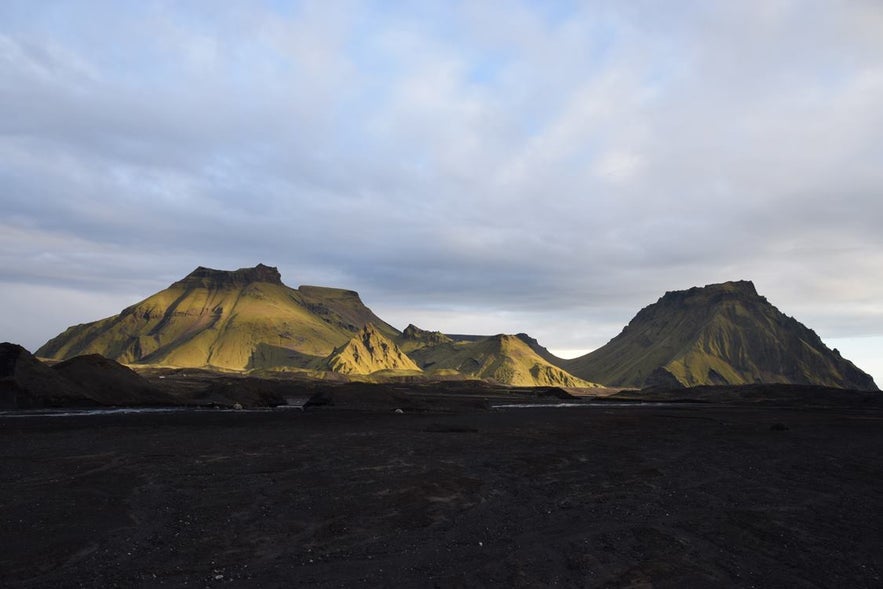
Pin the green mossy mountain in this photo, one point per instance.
(506, 359)
(720, 334)
(367, 352)
(248, 320)
(236, 320)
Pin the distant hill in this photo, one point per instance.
(237, 320)
(716, 335)
(505, 359)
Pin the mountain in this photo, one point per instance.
(506, 359)
(247, 319)
(720, 334)
(369, 351)
(237, 320)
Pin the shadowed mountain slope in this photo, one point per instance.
(236, 320)
(506, 359)
(720, 334)
(369, 351)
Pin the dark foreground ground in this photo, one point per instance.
(663, 496)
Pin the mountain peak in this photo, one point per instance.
(730, 289)
(412, 332)
(718, 334)
(209, 277)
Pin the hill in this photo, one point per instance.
(109, 383)
(235, 320)
(506, 359)
(28, 383)
(722, 334)
(369, 351)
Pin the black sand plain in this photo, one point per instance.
(661, 495)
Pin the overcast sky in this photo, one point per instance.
(479, 167)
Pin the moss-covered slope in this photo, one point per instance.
(414, 338)
(236, 320)
(720, 334)
(506, 359)
(367, 352)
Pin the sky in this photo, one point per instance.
(471, 167)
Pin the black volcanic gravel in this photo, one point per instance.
(673, 496)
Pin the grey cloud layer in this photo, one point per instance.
(481, 160)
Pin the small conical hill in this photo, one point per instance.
(367, 352)
(237, 320)
(506, 359)
(720, 334)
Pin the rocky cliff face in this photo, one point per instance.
(720, 334)
(414, 338)
(204, 277)
(367, 352)
(238, 320)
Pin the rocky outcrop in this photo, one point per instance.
(719, 334)
(367, 352)
(414, 338)
(204, 277)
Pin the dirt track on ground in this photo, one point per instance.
(663, 496)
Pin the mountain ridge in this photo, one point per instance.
(249, 320)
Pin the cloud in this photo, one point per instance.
(545, 165)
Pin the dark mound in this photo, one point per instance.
(107, 382)
(27, 383)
